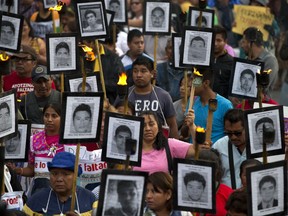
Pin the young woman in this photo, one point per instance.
(43, 147)
(157, 150)
(159, 196)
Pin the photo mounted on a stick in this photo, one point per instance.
(49, 3)
(92, 19)
(11, 31)
(74, 83)
(244, 80)
(116, 186)
(16, 148)
(157, 17)
(207, 19)
(194, 186)
(82, 114)
(120, 8)
(10, 6)
(266, 125)
(123, 134)
(8, 114)
(62, 53)
(267, 189)
(176, 44)
(197, 47)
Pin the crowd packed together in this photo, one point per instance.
(158, 92)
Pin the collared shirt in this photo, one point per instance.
(222, 146)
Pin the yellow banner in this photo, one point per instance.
(252, 16)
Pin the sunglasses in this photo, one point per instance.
(236, 133)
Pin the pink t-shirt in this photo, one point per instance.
(156, 160)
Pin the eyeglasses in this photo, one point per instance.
(236, 133)
(136, 3)
(23, 59)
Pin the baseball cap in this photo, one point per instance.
(64, 160)
(24, 51)
(38, 72)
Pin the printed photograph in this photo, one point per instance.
(206, 21)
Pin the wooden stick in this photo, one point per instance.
(155, 56)
(100, 69)
(127, 162)
(185, 86)
(83, 75)
(243, 104)
(191, 99)
(209, 125)
(62, 82)
(75, 178)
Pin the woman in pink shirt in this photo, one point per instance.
(156, 147)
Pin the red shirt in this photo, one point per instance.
(23, 85)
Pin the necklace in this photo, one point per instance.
(59, 207)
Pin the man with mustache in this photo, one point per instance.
(32, 104)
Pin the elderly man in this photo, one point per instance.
(32, 104)
(57, 199)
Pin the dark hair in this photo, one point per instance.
(87, 85)
(5, 105)
(208, 75)
(56, 107)
(134, 33)
(82, 107)
(247, 71)
(194, 176)
(114, 1)
(72, 26)
(198, 38)
(89, 12)
(122, 185)
(234, 116)
(31, 32)
(62, 45)
(220, 30)
(204, 20)
(159, 9)
(123, 128)
(162, 181)
(263, 120)
(130, 105)
(161, 140)
(142, 60)
(265, 179)
(254, 35)
(237, 202)
(8, 23)
(248, 162)
(213, 156)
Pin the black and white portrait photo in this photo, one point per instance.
(92, 83)
(121, 194)
(267, 184)
(82, 116)
(265, 125)
(197, 47)
(122, 133)
(4, 6)
(92, 19)
(244, 79)
(8, 116)
(16, 148)
(49, 3)
(195, 186)
(120, 8)
(177, 49)
(157, 16)
(11, 31)
(207, 17)
(62, 53)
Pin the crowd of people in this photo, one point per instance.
(169, 126)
